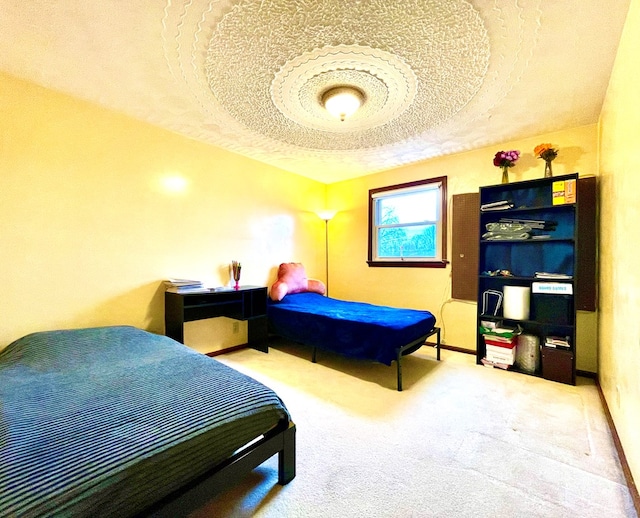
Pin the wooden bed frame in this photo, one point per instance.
(281, 440)
(404, 350)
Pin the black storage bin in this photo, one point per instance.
(552, 309)
(557, 365)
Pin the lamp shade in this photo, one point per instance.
(326, 214)
(342, 101)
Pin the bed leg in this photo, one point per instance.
(399, 371)
(313, 355)
(287, 456)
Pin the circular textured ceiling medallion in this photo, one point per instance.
(389, 86)
(268, 62)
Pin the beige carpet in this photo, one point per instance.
(460, 440)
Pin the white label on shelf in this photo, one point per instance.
(553, 288)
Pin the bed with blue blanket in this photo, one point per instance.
(116, 421)
(354, 329)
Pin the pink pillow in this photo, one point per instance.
(293, 279)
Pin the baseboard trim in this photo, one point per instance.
(587, 374)
(227, 350)
(452, 348)
(633, 489)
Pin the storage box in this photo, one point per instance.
(557, 365)
(553, 309)
(501, 354)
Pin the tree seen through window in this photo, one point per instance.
(402, 241)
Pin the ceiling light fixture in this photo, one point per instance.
(342, 101)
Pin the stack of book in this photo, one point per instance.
(500, 350)
(500, 345)
(557, 341)
(185, 286)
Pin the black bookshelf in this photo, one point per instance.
(563, 244)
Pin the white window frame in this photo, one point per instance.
(375, 195)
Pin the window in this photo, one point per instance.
(408, 224)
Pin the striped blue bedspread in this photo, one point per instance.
(106, 421)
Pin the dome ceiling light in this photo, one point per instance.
(410, 79)
(342, 101)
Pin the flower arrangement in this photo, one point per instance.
(505, 160)
(547, 152)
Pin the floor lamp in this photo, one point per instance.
(326, 215)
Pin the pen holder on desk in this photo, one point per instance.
(236, 268)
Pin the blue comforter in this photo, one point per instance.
(355, 329)
(106, 421)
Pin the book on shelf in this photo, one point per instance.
(500, 359)
(500, 355)
(552, 275)
(499, 341)
(564, 192)
(557, 341)
(499, 365)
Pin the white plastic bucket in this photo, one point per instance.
(516, 302)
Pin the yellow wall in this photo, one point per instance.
(619, 336)
(430, 288)
(90, 227)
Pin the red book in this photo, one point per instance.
(507, 343)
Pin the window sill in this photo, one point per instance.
(408, 264)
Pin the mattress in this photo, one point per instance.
(106, 421)
(355, 329)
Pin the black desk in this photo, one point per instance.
(247, 303)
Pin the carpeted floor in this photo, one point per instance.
(460, 441)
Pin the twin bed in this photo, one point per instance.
(354, 329)
(116, 421)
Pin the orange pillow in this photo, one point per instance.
(293, 279)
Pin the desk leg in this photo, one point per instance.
(174, 316)
(257, 331)
(174, 329)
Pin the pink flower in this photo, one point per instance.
(506, 158)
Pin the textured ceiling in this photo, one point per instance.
(439, 76)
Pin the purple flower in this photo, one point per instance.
(506, 158)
